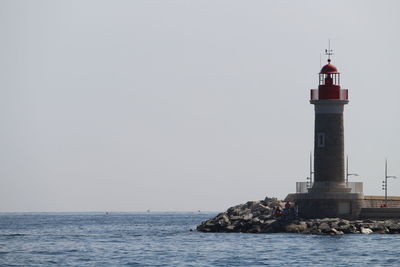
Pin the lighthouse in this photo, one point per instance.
(329, 101)
(329, 195)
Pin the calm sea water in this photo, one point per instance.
(164, 239)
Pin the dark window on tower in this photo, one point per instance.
(321, 140)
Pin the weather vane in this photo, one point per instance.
(329, 51)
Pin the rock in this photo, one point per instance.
(334, 225)
(230, 227)
(345, 228)
(234, 210)
(255, 229)
(393, 227)
(244, 211)
(222, 219)
(292, 228)
(324, 227)
(269, 222)
(365, 230)
(251, 203)
(343, 222)
(248, 217)
(377, 227)
(302, 225)
(352, 230)
(316, 231)
(357, 224)
(261, 209)
(296, 227)
(271, 226)
(336, 232)
(235, 218)
(265, 217)
(368, 221)
(329, 220)
(310, 224)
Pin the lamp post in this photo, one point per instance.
(309, 178)
(347, 171)
(384, 183)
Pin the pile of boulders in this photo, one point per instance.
(337, 226)
(251, 217)
(258, 217)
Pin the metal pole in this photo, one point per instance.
(311, 172)
(386, 185)
(347, 170)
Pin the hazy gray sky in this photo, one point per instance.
(186, 105)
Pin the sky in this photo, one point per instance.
(177, 105)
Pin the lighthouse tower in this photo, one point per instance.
(329, 195)
(329, 100)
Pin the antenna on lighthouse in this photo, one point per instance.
(320, 60)
(329, 51)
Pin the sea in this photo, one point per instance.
(166, 239)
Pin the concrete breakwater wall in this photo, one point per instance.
(377, 201)
(257, 217)
(368, 201)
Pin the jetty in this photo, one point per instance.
(259, 217)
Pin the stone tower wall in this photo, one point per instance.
(329, 157)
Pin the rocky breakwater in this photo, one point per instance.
(257, 217)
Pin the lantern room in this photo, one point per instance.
(329, 75)
(329, 85)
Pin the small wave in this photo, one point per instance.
(13, 235)
(45, 252)
(133, 264)
(84, 259)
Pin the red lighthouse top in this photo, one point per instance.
(329, 68)
(329, 84)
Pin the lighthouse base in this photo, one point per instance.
(329, 204)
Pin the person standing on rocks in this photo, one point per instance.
(278, 212)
